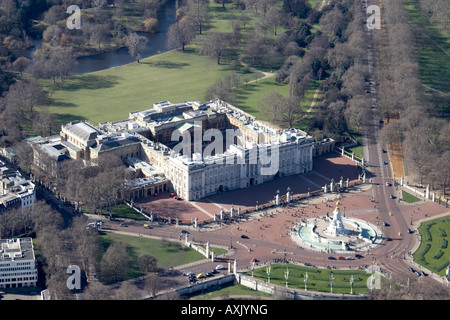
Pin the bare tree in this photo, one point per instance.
(114, 263)
(136, 45)
(215, 45)
(181, 33)
(152, 284)
(127, 291)
(198, 11)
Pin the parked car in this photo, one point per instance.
(219, 267)
(410, 231)
(358, 256)
(331, 258)
(244, 236)
(388, 184)
(341, 258)
(385, 162)
(349, 258)
(391, 196)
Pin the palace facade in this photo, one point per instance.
(193, 149)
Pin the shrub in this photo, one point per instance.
(151, 25)
(438, 254)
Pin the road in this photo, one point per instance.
(390, 256)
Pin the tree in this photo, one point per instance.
(181, 33)
(127, 291)
(21, 64)
(282, 110)
(136, 45)
(223, 88)
(23, 97)
(198, 11)
(215, 45)
(45, 123)
(152, 284)
(114, 263)
(147, 263)
(299, 8)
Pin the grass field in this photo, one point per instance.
(168, 254)
(434, 251)
(109, 95)
(318, 279)
(249, 96)
(409, 198)
(231, 290)
(434, 62)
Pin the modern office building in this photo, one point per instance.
(17, 263)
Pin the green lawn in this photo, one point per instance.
(318, 279)
(434, 63)
(434, 251)
(109, 95)
(169, 255)
(120, 211)
(249, 96)
(409, 198)
(230, 290)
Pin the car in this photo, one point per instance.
(423, 273)
(209, 274)
(388, 239)
(358, 256)
(384, 151)
(386, 224)
(219, 267)
(184, 231)
(123, 225)
(244, 236)
(417, 273)
(341, 258)
(349, 258)
(189, 274)
(391, 196)
(410, 231)
(385, 162)
(388, 184)
(199, 276)
(214, 271)
(331, 258)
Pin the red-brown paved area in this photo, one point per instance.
(330, 166)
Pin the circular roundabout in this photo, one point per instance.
(335, 234)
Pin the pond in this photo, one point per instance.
(118, 57)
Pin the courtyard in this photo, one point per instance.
(262, 196)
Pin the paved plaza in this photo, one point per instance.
(331, 166)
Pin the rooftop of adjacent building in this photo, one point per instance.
(16, 249)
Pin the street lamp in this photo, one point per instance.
(306, 281)
(331, 281)
(269, 267)
(351, 285)
(286, 276)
